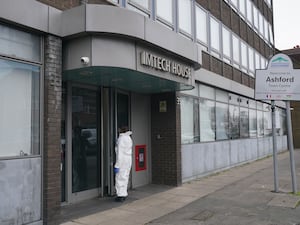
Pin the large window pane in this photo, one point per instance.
(261, 23)
(260, 123)
(207, 92)
(196, 121)
(222, 96)
(255, 17)
(222, 129)
(234, 121)
(283, 122)
(19, 112)
(252, 123)
(19, 44)
(244, 55)
(250, 11)
(244, 122)
(242, 7)
(215, 34)
(201, 25)
(207, 120)
(142, 3)
(165, 10)
(185, 15)
(226, 42)
(251, 59)
(257, 60)
(236, 49)
(267, 120)
(187, 120)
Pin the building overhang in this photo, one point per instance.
(124, 79)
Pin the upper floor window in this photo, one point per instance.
(250, 11)
(142, 3)
(201, 25)
(185, 16)
(164, 10)
(226, 44)
(236, 50)
(242, 7)
(214, 34)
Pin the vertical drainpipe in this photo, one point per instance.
(83, 2)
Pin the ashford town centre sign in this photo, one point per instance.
(165, 65)
(280, 81)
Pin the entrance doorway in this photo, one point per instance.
(92, 117)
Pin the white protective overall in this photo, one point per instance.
(123, 162)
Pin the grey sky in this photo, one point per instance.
(286, 23)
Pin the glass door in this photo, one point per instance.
(84, 147)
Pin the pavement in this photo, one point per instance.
(239, 196)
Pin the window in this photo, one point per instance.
(252, 123)
(260, 124)
(257, 60)
(164, 10)
(236, 50)
(222, 96)
(187, 121)
(185, 16)
(226, 44)
(255, 17)
(207, 92)
(234, 121)
(244, 122)
(244, 55)
(271, 38)
(135, 9)
(266, 30)
(142, 3)
(249, 12)
(201, 25)
(222, 131)
(234, 3)
(207, 120)
(251, 61)
(20, 110)
(16, 43)
(214, 34)
(283, 122)
(267, 120)
(261, 24)
(242, 7)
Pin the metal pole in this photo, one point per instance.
(275, 165)
(291, 145)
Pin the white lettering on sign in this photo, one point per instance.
(165, 65)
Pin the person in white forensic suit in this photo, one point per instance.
(123, 163)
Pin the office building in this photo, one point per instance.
(179, 73)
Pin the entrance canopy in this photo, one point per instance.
(123, 78)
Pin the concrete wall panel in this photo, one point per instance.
(204, 158)
(20, 185)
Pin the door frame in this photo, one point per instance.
(87, 194)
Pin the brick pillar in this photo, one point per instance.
(166, 140)
(52, 129)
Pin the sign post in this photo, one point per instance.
(280, 81)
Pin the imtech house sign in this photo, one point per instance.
(279, 81)
(165, 65)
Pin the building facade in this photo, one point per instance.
(294, 54)
(180, 74)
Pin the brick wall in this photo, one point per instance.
(166, 149)
(52, 128)
(222, 11)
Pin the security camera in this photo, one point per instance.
(85, 60)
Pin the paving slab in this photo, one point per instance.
(285, 200)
